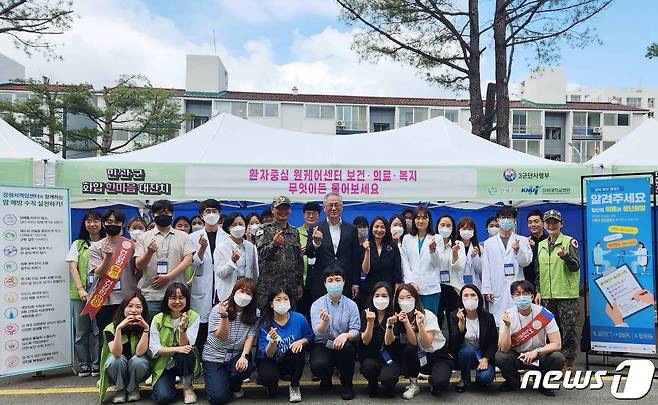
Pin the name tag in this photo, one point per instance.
(311, 261)
(387, 357)
(509, 269)
(468, 279)
(163, 267)
(90, 279)
(445, 276)
(363, 276)
(422, 358)
(330, 344)
(198, 271)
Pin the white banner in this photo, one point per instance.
(35, 320)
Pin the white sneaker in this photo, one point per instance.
(189, 397)
(422, 376)
(149, 381)
(177, 380)
(411, 391)
(294, 394)
(238, 394)
(119, 397)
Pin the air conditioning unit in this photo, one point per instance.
(340, 123)
(596, 130)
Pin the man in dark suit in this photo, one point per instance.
(334, 241)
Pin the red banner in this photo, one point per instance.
(538, 323)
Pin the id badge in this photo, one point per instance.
(387, 357)
(117, 286)
(90, 279)
(363, 276)
(403, 339)
(330, 344)
(468, 279)
(509, 269)
(422, 358)
(311, 261)
(445, 276)
(163, 267)
(198, 271)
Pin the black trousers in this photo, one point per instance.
(448, 302)
(509, 364)
(375, 370)
(270, 370)
(439, 367)
(324, 360)
(201, 337)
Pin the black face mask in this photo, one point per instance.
(163, 220)
(113, 230)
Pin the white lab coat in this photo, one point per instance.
(201, 292)
(494, 281)
(421, 268)
(455, 269)
(473, 267)
(226, 270)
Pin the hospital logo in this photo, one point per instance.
(532, 190)
(509, 174)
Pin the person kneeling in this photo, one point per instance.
(522, 339)
(173, 334)
(123, 359)
(336, 323)
(281, 345)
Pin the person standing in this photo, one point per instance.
(537, 234)
(558, 283)
(280, 260)
(381, 261)
(452, 258)
(311, 212)
(473, 265)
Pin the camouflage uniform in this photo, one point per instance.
(279, 267)
(566, 315)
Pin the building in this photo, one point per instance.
(633, 97)
(542, 122)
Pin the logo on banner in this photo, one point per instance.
(11, 297)
(532, 190)
(10, 251)
(11, 329)
(9, 219)
(492, 190)
(12, 345)
(10, 282)
(11, 313)
(10, 235)
(12, 361)
(509, 174)
(10, 267)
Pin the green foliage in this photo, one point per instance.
(652, 51)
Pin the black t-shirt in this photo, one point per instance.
(212, 239)
(374, 348)
(126, 350)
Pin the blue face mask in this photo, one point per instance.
(523, 301)
(506, 224)
(334, 289)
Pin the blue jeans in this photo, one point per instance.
(86, 342)
(127, 374)
(164, 390)
(431, 302)
(467, 360)
(154, 308)
(222, 379)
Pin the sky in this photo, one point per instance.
(273, 45)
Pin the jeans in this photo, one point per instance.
(127, 374)
(270, 370)
(154, 308)
(509, 364)
(431, 302)
(86, 337)
(467, 360)
(164, 390)
(324, 360)
(222, 379)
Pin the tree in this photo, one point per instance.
(32, 23)
(652, 51)
(442, 38)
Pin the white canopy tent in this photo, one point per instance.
(635, 152)
(16, 148)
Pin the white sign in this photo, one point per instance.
(35, 321)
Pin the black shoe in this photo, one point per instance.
(347, 392)
(547, 392)
(315, 378)
(507, 387)
(285, 377)
(460, 387)
(373, 389)
(326, 385)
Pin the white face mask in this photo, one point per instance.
(135, 233)
(281, 308)
(363, 233)
(397, 230)
(197, 227)
(237, 231)
(407, 305)
(466, 234)
(381, 303)
(211, 219)
(242, 299)
(493, 230)
(253, 228)
(408, 223)
(471, 304)
(445, 232)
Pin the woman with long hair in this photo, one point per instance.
(467, 234)
(451, 265)
(381, 259)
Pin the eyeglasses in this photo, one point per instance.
(178, 298)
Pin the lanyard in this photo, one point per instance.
(162, 248)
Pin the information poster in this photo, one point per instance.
(35, 322)
(620, 266)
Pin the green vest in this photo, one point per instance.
(165, 327)
(105, 354)
(303, 239)
(555, 279)
(83, 262)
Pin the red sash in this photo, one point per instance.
(533, 327)
(106, 284)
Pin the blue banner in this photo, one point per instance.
(620, 265)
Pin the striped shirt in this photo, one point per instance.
(219, 351)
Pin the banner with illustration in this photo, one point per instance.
(150, 181)
(620, 265)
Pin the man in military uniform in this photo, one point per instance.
(280, 259)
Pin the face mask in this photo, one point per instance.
(471, 304)
(445, 232)
(397, 230)
(253, 228)
(363, 233)
(237, 231)
(242, 299)
(506, 224)
(113, 230)
(163, 220)
(380, 303)
(334, 289)
(409, 224)
(211, 219)
(523, 302)
(493, 230)
(466, 234)
(135, 233)
(407, 305)
(282, 308)
(197, 227)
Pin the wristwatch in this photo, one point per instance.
(389, 326)
(538, 350)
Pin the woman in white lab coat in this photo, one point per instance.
(420, 259)
(473, 265)
(452, 257)
(503, 258)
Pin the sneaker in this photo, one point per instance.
(460, 387)
(247, 380)
(85, 371)
(411, 391)
(189, 397)
(347, 392)
(95, 372)
(149, 381)
(119, 397)
(422, 376)
(134, 396)
(238, 394)
(294, 394)
(546, 392)
(177, 379)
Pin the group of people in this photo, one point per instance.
(242, 294)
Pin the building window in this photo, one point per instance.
(320, 111)
(616, 120)
(634, 102)
(223, 107)
(6, 97)
(529, 146)
(623, 120)
(272, 110)
(353, 117)
(651, 102)
(263, 110)
(519, 122)
(408, 115)
(650, 114)
(450, 115)
(606, 145)
(574, 98)
(255, 109)
(583, 150)
(239, 109)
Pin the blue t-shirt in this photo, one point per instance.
(295, 329)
